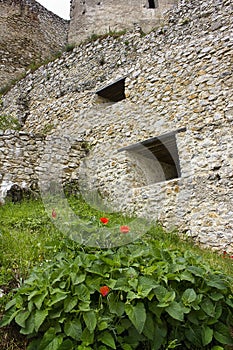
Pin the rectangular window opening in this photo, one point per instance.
(152, 4)
(161, 152)
(113, 92)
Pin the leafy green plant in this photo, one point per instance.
(140, 296)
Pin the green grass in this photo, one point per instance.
(28, 236)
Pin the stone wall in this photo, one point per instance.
(99, 17)
(28, 33)
(178, 81)
(24, 156)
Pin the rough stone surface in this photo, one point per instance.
(28, 34)
(99, 17)
(179, 76)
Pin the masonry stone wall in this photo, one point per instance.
(178, 81)
(99, 17)
(28, 33)
(24, 156)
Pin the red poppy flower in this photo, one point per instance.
(104, 291)
(124, 229)
(104, 220)
(231, 257)
(54, 214)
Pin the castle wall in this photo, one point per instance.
(24, 156)
(99, 17)
(29, 33)
(178, 80)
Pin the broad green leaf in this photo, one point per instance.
(229, 302)
(153, 307)
(116, 306)
(34, 344)
(55, 313)
(222, 334)
(38, 299)
(177, 267)
(122, 284)
(21, 318)
(107, 339)
(160, 293)
(131, 296)
(193, 317)
(34, 293)
(10, 304)
(102, 325)
(110, 262)
(66, 345)
(40, 316)
(8, 317)
(208, 306)
(54, 344)
(126, 347)
(187, 276)
(87, 337)
(137, 315)
(145, 285)
(111, 283)
(149, 328)
(77, 278)
(217, 282)
(218, 311)
(82, 292)
(73, 329)
(189, 296)
(193, 334)
(206, 335)
(29, 325)
(93, 283)
(59, 296)
(84, 305)
(216, 347)
(159, 336)
(175, 310)
(216, 296)
(90, 320)
(70, 303)
(133, 283)
(196, 271)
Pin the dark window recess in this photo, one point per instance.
(151, 4)
(162, 148)
(114, 92)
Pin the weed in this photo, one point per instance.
(9, 122)
(47, 128)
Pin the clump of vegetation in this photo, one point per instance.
(69, 47)
(9, 122)
(141, 296)
(111, 33)
(47, 128)
(156, 293)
